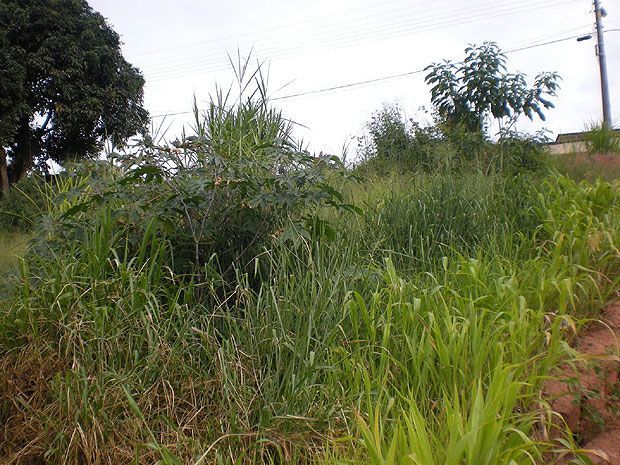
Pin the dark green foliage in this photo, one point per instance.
(520, 152)
(467, 93)
(23, 205)
(396, 145)
(218, 197)
(65, 88)
(390, 136)
(394, 141)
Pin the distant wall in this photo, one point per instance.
(567, 147)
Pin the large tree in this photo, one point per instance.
(65, 87)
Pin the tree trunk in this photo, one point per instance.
(4, 175)
(23, 165)
(27, 146)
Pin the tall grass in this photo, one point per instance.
(423, 328)
(416, 327)
(417, 219)
(600, 138)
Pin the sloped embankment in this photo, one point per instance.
(587, 395)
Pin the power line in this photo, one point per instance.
(410, 73)
(258, 31)
(316, 31)
(352, 84)
(164, 115)
(356, 32)
(378, 34)
(351, 40)
(548, 36)
(377, 80)
(543, 43)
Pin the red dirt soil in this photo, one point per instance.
(587, 396)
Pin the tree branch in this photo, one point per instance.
(46, 122)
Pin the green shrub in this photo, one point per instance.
(22, 205)
(518, 153)
(397, 142)
(218, 197)
(397, 145)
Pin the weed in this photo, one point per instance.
(413, 323)
(601, 139)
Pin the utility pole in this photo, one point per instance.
(602, 62)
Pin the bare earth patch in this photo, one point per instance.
(587, 395)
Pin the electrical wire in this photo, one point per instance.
(258, 31)
(550, 35)
(314, 31)
(541, 44)
(211, 65)
(375, 80)
(352, 84)
(353, 40)
(410, 73)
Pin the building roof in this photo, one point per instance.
(575, 137)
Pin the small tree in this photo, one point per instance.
(467, 93)
(389, 133)
(65, 87)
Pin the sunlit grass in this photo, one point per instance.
(423, 328)
(12, 246)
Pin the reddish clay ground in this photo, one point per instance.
(590, 167)
(587, 396)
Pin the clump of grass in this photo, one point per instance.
(433, 216)
(600, 138)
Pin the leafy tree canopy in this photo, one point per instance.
(65, 87)
(467, 93)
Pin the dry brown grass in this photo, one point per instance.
(45, 407)
(25, 392)
(584, 166)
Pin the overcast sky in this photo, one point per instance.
(181, 47)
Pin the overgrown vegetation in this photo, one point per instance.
(394, 142)
(602, 139)
(232, 299)
(22, 206)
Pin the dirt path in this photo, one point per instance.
(588, 395)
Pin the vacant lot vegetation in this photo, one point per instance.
(235, 300)
(12, 246)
